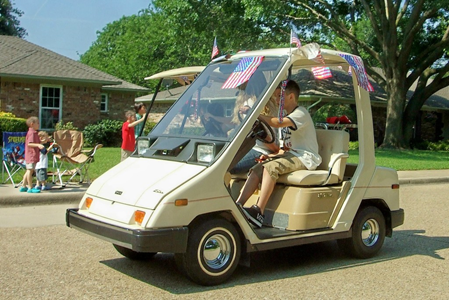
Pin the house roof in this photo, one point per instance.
(22, 59)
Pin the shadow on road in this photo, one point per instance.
(277, 264)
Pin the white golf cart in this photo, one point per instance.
(175, 193)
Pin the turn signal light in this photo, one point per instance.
(139, 216)
(181, 202)
(395, 186)
(88, 202)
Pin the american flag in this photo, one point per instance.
(294, 39)
(357, 64)
(243, 72)
(215, 50)
(322, 72)
(319, 58)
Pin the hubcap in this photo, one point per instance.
(216, 251)
(370, 232)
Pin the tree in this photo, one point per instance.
(173, 34)
(9, 23)
(408, 39)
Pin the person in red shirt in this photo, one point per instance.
(32, 147)
(128, 136)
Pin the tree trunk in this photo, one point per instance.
(394, 127)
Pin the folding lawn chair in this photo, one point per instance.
(70, 156)
(13, 160)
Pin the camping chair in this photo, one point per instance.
(70, 156)
(13, 160)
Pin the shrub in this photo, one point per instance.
(148, 127)
(6, 115)
(106, 132)
(11, 124)
(333, 110)
(354, 145)
(67, 126)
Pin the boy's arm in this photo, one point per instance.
(274, 122)
(33, 145)
(133, 124)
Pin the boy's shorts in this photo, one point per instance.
(279, 165)
(30, 166)
(41, 174)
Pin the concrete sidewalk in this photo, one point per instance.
(73, 192)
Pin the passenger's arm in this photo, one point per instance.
(274, 122)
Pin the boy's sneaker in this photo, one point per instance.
(23, 189)
(44, 188)
(34, 191)
(254, 215)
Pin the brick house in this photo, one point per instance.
(37, 82)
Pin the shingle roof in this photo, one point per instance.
(22, 59)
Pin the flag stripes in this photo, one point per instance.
(243, 72)
(322, 72)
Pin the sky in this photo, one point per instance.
(69, 27)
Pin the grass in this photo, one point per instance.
(401, 160)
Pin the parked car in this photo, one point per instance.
(175, 193)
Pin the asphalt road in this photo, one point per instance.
(43, 259)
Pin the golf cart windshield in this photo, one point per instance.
(211, 107)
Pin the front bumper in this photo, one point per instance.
(397, 218)
(173, 240)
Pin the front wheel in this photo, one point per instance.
(213, 252)
(368, 234)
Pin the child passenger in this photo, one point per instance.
(42, 165)
(32, 147)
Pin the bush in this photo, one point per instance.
(334, 110)
(148, 127)
(67, 126)
(106, 132)
(11, 124)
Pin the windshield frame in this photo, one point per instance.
(215, 74)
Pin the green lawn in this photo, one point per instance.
(106, 158)
(403, 160)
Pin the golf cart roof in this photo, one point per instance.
(188, 72)
(302, 57)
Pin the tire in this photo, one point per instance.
(368, 234)
(131, 254)
(213, 252)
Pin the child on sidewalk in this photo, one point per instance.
(42, 165)
(128, 136)
(32, 147)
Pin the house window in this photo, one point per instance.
(229, 109)
(50, 106)
(104, 103)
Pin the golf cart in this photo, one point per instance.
(176, 194)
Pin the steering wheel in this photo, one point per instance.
(213, 127)
(263, 131)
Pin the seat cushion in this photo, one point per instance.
(307, 178)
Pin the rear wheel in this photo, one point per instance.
(213, 252)
(368, 234)
(131, 254)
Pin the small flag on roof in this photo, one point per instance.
(322, 72)
(294, 39)
(319, 58)
(215, 50)
(357, 64)
(243, 72)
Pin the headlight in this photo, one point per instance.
(142, 145)
(205, 153)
